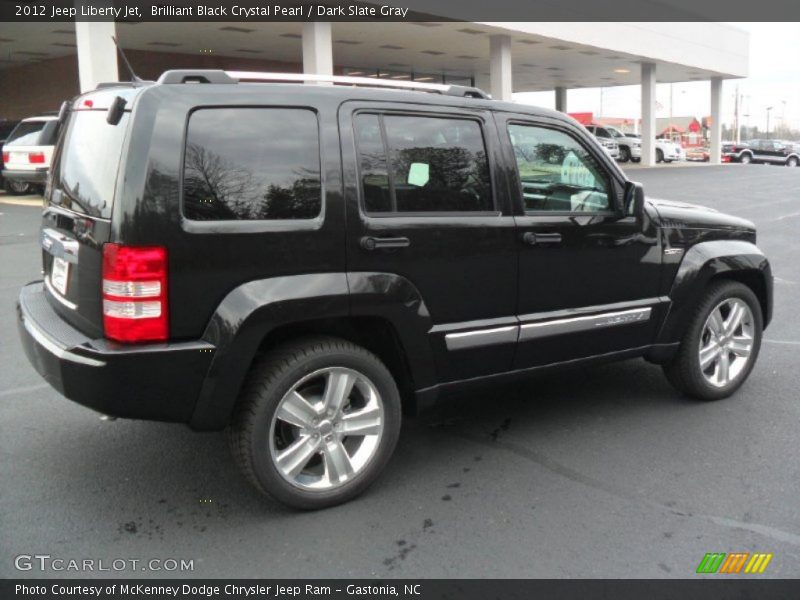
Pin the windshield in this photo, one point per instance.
(87, 169)
(615, 132)
(32, 133)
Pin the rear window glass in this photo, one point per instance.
(89, 162)
(33, 133)
(245, 164)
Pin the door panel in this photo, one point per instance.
(589, 275)
(422, 204)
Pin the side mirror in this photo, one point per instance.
(634, 199)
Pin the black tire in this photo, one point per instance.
(659, 156)
(270, 378)
(636, 160)
(17, 188)
(746, 158)
(792, 162)
(684, 372)
(624, 154)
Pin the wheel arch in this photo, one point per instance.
(383, 312)
(706, 262)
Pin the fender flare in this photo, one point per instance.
(701, 263)
(395, 298)
(252, 310)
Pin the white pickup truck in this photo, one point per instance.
(630, 145)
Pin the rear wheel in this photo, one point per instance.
(746, 158)
(721, 345)
(792, 162)
(318, 420)
(18, 188)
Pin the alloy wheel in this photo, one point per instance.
(726, 342)
(326, 429)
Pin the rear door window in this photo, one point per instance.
(422, 164)
(246, 164)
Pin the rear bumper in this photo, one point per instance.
(158, 382)
(32, 176)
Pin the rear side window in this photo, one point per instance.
(422, 164)
(87, 170)
(30, 133)
(245, 164)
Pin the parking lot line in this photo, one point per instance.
(24, 390)
(33, 202)
(784, 342)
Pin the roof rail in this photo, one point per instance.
(114, 84)
(217, 76)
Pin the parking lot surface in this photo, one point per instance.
(599, 472)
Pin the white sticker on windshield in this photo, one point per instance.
(574, 172)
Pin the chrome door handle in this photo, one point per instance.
(540, 239)
(377, 243)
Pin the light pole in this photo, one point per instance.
(769, 108)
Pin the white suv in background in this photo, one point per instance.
(27, 154)
(668, 151)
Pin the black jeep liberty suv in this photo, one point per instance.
(301, 264)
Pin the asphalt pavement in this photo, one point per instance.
(599, 472)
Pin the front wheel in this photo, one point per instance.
(659, 156)
(721, 344)
(318, 420)
(624, 154)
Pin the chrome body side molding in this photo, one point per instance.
(509, 330)
(531, 331)
(482, 337)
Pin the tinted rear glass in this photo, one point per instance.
(27, 133)
(87, 171)
(245, 164)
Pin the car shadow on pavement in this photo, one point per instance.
(170, 466)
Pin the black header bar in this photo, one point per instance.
(399, 10)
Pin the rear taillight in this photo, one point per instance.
(36, 158)
(135, 293)
(6, 157)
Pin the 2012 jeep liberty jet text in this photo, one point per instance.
(298, 264)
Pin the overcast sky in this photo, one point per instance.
(774, 81)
